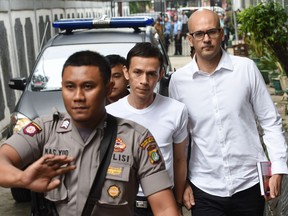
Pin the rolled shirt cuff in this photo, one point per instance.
(279, 167)
(156, 182)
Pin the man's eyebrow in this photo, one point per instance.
(89, 82)
(67, 81)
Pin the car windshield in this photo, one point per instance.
(47, 73)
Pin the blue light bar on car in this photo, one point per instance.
(114, 22)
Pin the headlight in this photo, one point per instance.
(18, 121)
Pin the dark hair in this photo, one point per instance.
(114, 60)
(146, 50)
(90, 58)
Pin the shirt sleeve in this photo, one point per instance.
(152, 166)
(173, 93)
(270, 121)
(181, 131)
(179, 27)
(27, 142)
(172, 90)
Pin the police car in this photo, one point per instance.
(42, 90)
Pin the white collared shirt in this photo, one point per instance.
(222, 108)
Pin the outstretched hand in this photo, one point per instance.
(40, 176)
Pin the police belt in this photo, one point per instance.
(141, 202)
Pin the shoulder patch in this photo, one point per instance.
(32, 129)
(147, 141)
(154, 155)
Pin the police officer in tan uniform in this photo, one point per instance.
(70, 146)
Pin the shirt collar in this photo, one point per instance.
(224, 63)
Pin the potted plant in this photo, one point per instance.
(265, 62)
(268, 68)
(283, 78)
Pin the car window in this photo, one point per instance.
(47, 73)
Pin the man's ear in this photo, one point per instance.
(125, 72)
(109, 88)
(189, 39)
(161, 74)
(222, 33)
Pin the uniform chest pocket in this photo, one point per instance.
(58, 194)
(115, 188)
(120, 166)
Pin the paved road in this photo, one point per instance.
(8, 207)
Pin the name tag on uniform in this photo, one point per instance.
(119, 173)
(56, 151)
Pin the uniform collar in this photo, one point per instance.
(65, 123)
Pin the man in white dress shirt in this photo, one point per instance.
(224, 95)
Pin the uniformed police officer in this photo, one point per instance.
(71, 142)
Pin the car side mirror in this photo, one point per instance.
(18, 83)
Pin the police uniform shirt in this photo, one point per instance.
(136, 157)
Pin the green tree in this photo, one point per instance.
(139, 7)
(266, 26)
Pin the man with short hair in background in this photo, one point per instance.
(120, 87)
